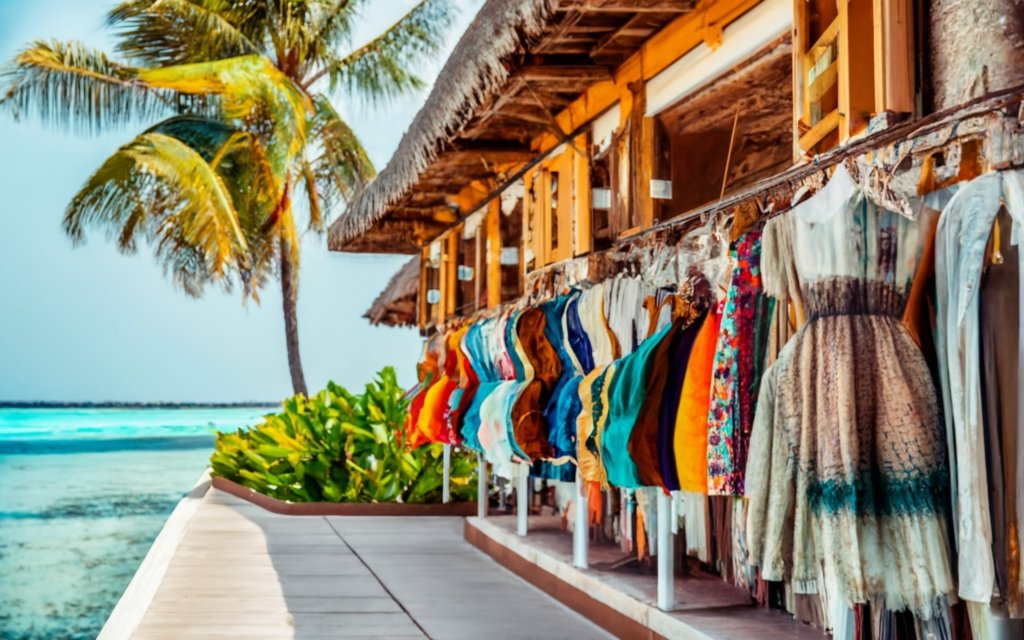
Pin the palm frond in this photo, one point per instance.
(69, 84)
(381, 69)
(252, 95)
(332, 28)
(312, 193)
(241, 163)
(172, 32)
(340, 166)
(159, 189)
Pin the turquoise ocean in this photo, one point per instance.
(83, 494)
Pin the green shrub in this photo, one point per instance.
(341, 447)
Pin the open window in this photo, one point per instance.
(509, 215)
(550, 197)
(471, 261)
(725, 134)
(853, 60)
(431, 307)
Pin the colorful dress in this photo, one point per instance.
(847, 480)
(690, 439)
(731, 413)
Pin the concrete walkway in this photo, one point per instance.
(241, 572)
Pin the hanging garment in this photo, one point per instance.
(668, 407)
(431, 420)
(462, 398)
(591, 422)
(625, 314)
(731, 412)
(690, 440)
(999, 318)
(595, 325)
(427, 372)
(561, 411)
(962, 249)
(650, 444)
(474, 348)
(627, 387)
(541, 369)
(579, 349)
(643, 438)
(847, 471)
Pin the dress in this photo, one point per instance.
(731, 413)
(847, 478)
(966, 299)
(690, 439)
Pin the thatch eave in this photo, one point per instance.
(518, 64)
(396, 304)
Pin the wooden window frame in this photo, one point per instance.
(874, 72)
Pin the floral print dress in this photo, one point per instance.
(731, 410)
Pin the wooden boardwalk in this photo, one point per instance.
(241, 572)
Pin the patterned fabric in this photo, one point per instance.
(731, 413)
(542, 369)
(847, 477)
(591, 422)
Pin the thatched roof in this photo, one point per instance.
(519, 63)
(396, 305)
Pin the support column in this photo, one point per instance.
(666, 554)
(446, 488)
(481, 486)
(581, 526)
(522, 499)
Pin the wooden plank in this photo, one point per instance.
(450, 255)
(894, 47)
(494, 253)
(817, 133)
(801, 105)
(856, 66)
(581, 191)
(563, 73)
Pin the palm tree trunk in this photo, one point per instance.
(290, 297)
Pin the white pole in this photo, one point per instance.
(581, 526)
(481, 487)
(522, 499)
(666, 554)
(446, 489)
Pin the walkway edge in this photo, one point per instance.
(124, 620)
(615, 611)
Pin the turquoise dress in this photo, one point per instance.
(625, 398)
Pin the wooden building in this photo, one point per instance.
(563, 134)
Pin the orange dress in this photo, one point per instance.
(691, 434)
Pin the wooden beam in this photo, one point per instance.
(636, 6)
(607, 40)
(561, 73)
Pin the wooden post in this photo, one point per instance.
(581, 192)
(422, 308)
(494, 253)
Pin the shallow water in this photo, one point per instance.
(83, 493)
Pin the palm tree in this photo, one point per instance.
(239, 90)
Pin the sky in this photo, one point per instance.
(91, 324)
